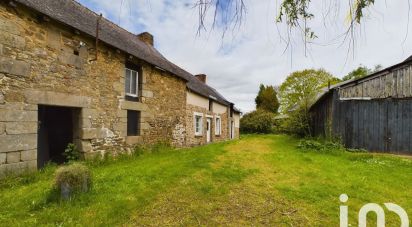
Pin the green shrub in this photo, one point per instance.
(258, 121)
(298, 123)
(71, 152)
(325, 146)
(71, 179)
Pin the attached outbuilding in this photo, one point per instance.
(373, 113)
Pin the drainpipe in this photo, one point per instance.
(97, 37)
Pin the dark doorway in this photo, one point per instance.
(55, 132)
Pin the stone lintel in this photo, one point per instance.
(128, 105)
(56, 98)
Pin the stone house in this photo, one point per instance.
(213, 118)
(68, 75)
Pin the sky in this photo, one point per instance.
(255, 52)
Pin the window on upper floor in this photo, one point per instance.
(218, 126)
(198, 124)
(210, 105)
(133, 82)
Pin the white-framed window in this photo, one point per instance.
(198, 124)
(218, 126)
(131, 82)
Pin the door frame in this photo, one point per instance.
(232, 129)
(45, 115)
(208, 129)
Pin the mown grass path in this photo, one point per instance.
(258, 180)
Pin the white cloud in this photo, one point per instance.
(252, 55)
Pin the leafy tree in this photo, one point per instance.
(361, 71)
(297, 93)
(258, 121)
(302, 87)
(267, 99)
(377, 68)
(295, 14)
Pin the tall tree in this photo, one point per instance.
(297, 93)
(267, 99)
(302, 87)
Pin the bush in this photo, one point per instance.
(298, 123)
(258, 121)
(71, 152)
(325, 146)
(72, 179)
(320, 146)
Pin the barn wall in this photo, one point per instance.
(393, 84)
(381, 125)
(321, 117)
(378, 125)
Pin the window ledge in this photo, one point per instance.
(130, 140)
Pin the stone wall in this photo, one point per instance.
(236, 119)
(194, 140)
(45, 63)
(165, 97)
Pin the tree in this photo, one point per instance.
(301, 88)
(361, 71)
(295, 14)
(297, 93)
(267, 99)
(377, 68)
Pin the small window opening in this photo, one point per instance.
(76, 52)
(133, 123)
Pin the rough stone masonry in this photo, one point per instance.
(54, 77)
(43, 63)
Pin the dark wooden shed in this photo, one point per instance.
(373, 113)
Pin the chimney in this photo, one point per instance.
(146, 37)
(201, 77)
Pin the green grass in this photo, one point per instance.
(261, 180)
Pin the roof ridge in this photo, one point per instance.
(118, 26)
(106, 19)
(124, 29)
(76, 15)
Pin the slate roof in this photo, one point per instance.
(73, 14)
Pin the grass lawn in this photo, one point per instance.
(258, 180)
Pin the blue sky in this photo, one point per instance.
(254, 53)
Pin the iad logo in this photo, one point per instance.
(372, 207)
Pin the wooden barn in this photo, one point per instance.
(373, 113)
